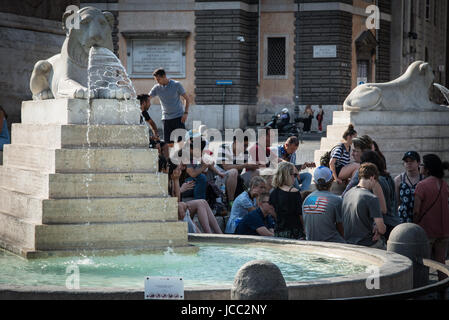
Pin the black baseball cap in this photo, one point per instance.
(412, 155)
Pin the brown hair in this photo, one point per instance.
(368, 170)
(349, 132)
(363, 143)
(293, 140)
(321, 185)
(160, 72)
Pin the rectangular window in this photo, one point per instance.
(427, 10)
(276, 56)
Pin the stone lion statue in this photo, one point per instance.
(65, 75)
(407, 93)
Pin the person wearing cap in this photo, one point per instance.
(405, 185)
(323, 220)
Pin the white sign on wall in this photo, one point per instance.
(325, 51)
(145, 56)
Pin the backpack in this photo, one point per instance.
(326, 158)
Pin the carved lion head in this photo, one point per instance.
(95, 29)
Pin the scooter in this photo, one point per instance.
(284, 128)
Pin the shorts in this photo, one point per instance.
(338, 169)
(170, 126)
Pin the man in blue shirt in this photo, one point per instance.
(287, 152)
(174, 114)
(260, 221)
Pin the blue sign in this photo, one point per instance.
(223, 82)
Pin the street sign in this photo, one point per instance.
(223, 82)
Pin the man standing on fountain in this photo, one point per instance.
(169, 91)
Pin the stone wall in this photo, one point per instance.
(323, 80)
(219, 55)
(44, 9)
(383, 66)
(25, 40)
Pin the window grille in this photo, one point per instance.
(276, 57)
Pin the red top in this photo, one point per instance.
(436, 220)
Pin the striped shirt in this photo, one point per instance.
(342, 155)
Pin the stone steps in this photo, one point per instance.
(395, 144)
(83, 185)
(387, 132)
(44, 237)
(93, 160)
(98, 210)
(80, 111)
(18, 231)
(391, 118)
(54, 136)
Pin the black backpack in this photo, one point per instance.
(326, 158)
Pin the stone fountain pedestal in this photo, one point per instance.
(396, 132)
(80, 177)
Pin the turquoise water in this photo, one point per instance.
(212, 265)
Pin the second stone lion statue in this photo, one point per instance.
(65, 75)
(408, 92)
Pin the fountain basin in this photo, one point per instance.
(395, 272)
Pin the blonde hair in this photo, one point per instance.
(256, 181)
(283, 176)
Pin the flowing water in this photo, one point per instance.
(212, 265)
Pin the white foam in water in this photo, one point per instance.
(107, 77)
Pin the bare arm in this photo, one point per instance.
(377, 190)
(340, 229)
(380, 226)
(153, 128)
(263, 231)
(196, 172)
(417, 209)
(187, 102)
(397, 183)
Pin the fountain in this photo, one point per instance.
(79, 186)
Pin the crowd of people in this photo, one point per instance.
(232, 184)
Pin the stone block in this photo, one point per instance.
(110, 235)
(65, 136)
(69, 211)
(83, 185)
(393, 144)
(18, 231)
(398, 132)
(391, 118)
(93, 160)
(20, 205)
(59, 211)
(80, 111)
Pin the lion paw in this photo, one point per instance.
(44, 95)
